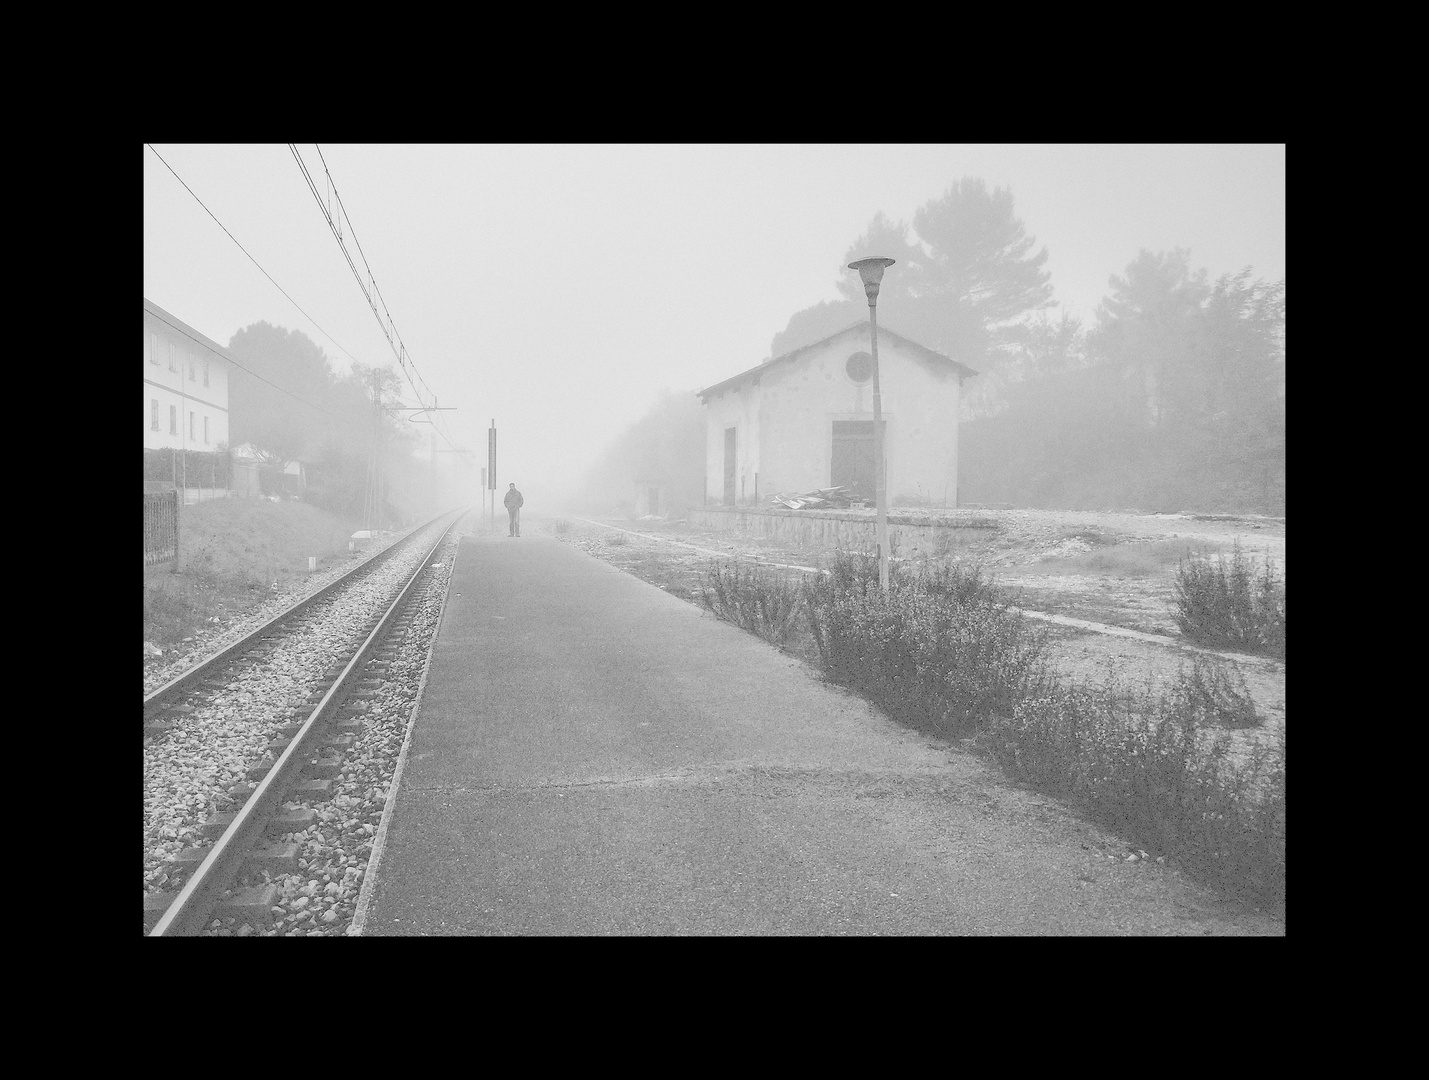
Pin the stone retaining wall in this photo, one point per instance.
(910, 537)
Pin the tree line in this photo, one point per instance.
(664, 449)
(1174, 399)
(290, 404)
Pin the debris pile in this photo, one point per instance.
(832, 498)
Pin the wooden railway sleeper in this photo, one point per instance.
(253, 905)
(275, 858)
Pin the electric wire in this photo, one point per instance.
(243, 249)
(345, 421)
(369, 287)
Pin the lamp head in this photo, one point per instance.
(871, 270)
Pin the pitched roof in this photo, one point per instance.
(859, 328)
(185, 329)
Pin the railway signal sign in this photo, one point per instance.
(491, 470)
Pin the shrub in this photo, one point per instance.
(1141, 764)
(563, 526)
(1214, 692)
(963, 584)
(760, 599)
(618, 540)
(1230, 602)
(941, 650)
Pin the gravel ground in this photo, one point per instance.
(211, 748)
(222, 733)
(174, 661)
(320, 900)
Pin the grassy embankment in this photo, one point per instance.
(231, 551)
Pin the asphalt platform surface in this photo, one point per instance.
(595, 757)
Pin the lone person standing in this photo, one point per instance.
(513, 503)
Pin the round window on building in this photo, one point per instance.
(859, 367)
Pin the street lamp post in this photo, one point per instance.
(871, 271)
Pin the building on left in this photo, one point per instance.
(185, 385)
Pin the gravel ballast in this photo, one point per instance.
(220, 734)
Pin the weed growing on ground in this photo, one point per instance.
(1139, 763)
(941, 650)
(1229, 602)
(760, 599)
(944, 651)
(1214, 692)
(230, 553)
(617, 540)
(170, 613)
(563, 526)
(959, 582)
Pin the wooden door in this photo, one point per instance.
(851, 457)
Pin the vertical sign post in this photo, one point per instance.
(491, 470)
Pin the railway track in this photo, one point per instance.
(264, 762)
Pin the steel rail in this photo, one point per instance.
(190, 910)
(191, 675)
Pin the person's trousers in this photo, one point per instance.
(515, 513)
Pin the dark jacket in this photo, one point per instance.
(513, 499)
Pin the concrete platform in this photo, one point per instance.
(593, 756)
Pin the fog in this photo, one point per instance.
(560, 291)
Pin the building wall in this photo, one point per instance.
(185, 386)
(738, 409)
(798, 401)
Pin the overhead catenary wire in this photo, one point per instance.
(408, 368)
(251, 259)
(368, 285)
(343, 420)
(346, 421)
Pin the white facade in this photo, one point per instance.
(185, 385)
(805, 420)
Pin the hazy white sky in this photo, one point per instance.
(558, 289)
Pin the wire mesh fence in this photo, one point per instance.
(161, 526)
